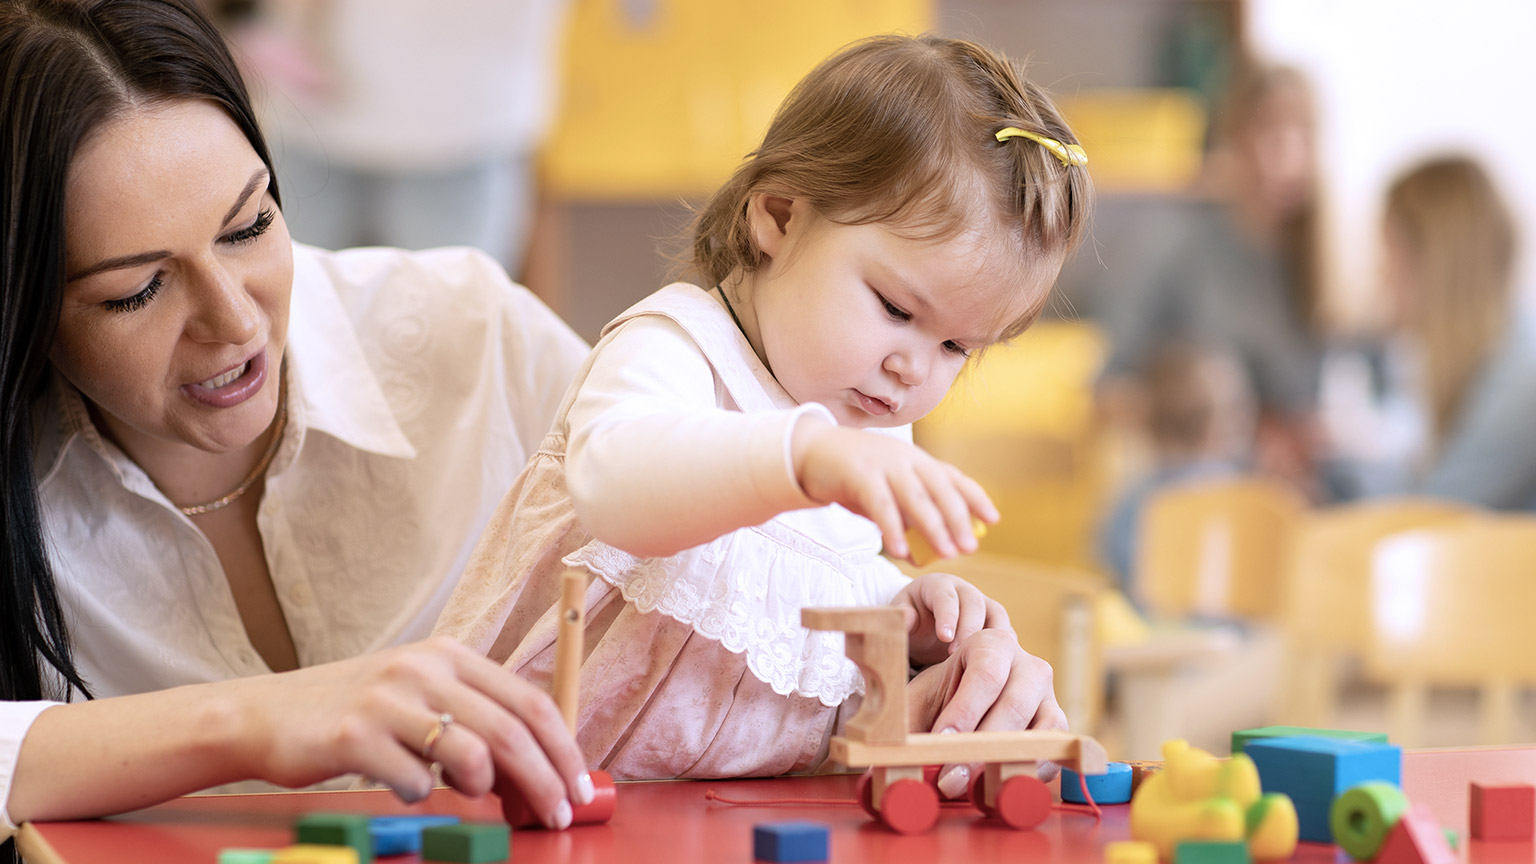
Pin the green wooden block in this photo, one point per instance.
(1211, 852)
(337, 829)
(467, 843)
(246, 856)
(1241, 738)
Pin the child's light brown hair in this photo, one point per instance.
(902, 130)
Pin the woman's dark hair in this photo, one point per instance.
(68, 67)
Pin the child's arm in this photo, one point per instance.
(654, 465)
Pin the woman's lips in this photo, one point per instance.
(232, 386)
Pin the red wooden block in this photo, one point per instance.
(1503, 812)
(1416, 839)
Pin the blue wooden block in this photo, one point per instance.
(790, 841)
(1112, 787)
(398, 835)
(1313, 771)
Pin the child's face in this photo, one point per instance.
(872, 324)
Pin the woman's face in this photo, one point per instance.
(178, 272)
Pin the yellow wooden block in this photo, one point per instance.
(921, 553)
(313, 853)
(1130, 852)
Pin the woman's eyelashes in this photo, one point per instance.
(137, 301)
(239, 236)
(255, 229)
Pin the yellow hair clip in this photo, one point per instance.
(1069, 154)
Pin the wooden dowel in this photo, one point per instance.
(568, 644)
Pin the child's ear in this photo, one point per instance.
(768, 218)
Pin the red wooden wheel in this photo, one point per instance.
(910, 806)
(978, 794)
(866, 794)
(1023, 802)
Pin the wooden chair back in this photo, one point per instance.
(1328, 593)
(1216, 548)
(1454, 604)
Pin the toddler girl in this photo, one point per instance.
(736, 450)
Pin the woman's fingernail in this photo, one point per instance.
(585, 792)
(948, 730)
(562, 818)
(954, 781)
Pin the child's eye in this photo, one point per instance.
(953, 347)
(254, 230)
(137, 301)
(892, 310)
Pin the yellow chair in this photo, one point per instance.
(1216, 548)
(1052, 609)
(1454, 605)
(1328, 592)
(1021, 420)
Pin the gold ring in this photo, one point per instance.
(443, 722)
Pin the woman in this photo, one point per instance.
(1449, 261)
(225, 456)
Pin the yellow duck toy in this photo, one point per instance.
(1199, 797)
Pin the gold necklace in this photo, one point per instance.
(261, 465)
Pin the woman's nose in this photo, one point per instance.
(226, 312)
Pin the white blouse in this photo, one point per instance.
(417, 382)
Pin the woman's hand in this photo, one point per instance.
(943, 611)
(890, 482)
(988, 684)
(375, 715)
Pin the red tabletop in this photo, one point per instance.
(674, 822)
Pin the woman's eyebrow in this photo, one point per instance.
(141, 258)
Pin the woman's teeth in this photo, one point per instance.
(227, 377)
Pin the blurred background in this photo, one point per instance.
(1276, 418)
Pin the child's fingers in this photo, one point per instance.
(939, 481)
(971, 606)
(878, 505)
(919, 511)
(943, 602)
(976, 498)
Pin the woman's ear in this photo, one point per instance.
(768, 218)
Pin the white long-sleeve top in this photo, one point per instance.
(417, 383)
(667, 476)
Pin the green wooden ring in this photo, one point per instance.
(1362, 817)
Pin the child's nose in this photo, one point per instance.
(909, 366)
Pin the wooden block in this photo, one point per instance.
(467, 843)
(1314, 771)
(1141, 769)
(336, 829)
(1130, 852)
(400, 835)
(1111, 787)
(1416, 839)
(246, 856)
(1364, 815)
(1503, 812)
(1211, 852)
(790, 841)
(876, 641)
(1241, 737)
(315, 853)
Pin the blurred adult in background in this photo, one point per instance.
(1448, 256)
(404, 123)
(1233, 270)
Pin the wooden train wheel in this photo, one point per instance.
(910, 807)
(1023, 802)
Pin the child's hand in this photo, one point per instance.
(988, 684)
(943, 611)
(890, 482)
